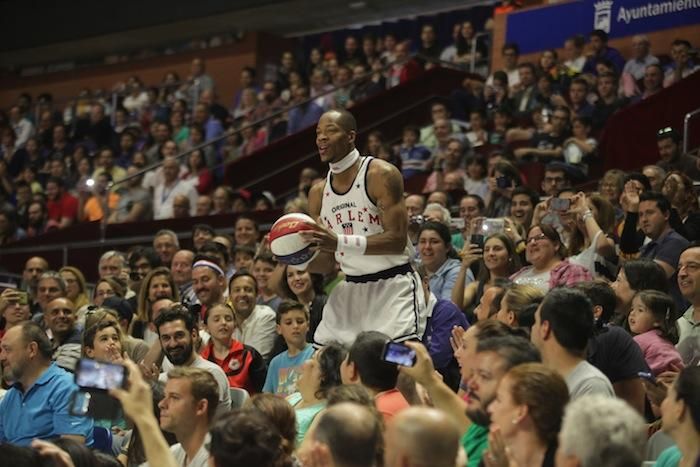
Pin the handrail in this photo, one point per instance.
(308, 156)
(472, 64)
(184, 234)
(282, 111)
(132, 240)
(686, 126)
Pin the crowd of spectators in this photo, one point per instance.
(562, 324)
(61, 166)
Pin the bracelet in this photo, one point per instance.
(351, 244)
(586, 215)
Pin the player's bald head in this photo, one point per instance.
(343, 119)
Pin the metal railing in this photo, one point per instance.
(686, 128)
(104, 242)
(278, 113)
(472, 61)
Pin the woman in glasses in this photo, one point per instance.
(549, 267)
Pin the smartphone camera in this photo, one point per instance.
(493, 226)
(100, 376)
(95, 379)
(503, 182)
(23, 298)
(560, 204)
(418, 219)
(399, 354)
(457, 223)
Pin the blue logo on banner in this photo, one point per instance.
(619, 18)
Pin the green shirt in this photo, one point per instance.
(457, 241)
(475, 441)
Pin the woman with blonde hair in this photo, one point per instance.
(107, 287)
(76, 289)
(515, 304)
(158, 284)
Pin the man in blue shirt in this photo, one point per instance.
(37, 405)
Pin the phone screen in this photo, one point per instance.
(560, 204)
(399, 354)
(503, 182)
(91, 374)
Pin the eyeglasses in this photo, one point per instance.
(664, 131)
(556, 180)
(536, 238)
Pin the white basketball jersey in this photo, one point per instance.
(354, 213)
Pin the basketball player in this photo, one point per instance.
(362, 225)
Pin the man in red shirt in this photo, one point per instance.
(62, 206)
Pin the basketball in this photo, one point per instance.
(286, 242)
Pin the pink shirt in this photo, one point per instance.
(659, 353)
(389, 403)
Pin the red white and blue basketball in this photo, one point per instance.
(286, 241)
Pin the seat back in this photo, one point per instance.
(238, 397)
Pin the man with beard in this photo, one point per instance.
(36, 219)
(37, 405)
(62, 207)
(177, 331)
(671, 158)
(491, 360)
(33, 269)
(257, 325)
(66, 339)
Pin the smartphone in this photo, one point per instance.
(99, 376)
(492, 226)
(418, 219)
(96, 404)
(23, 297)
(457, 223)
(477, 239)
(399, 354)
(503, 182)
(560, 204)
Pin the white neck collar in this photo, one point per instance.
(345, 163)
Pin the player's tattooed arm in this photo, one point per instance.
(385, 186)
